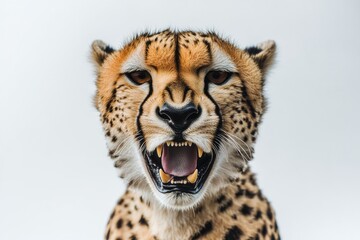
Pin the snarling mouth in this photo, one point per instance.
(179, 166)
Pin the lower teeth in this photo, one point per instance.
(166, 178)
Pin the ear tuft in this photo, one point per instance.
(100, 51)
(263, 54)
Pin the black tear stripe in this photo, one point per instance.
(218, 133)
(207, 228)
(140, 134)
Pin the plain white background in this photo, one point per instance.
(56, 181)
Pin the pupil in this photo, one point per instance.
(142, 75)
(216, 75)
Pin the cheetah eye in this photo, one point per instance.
(217, 77)
(139, 77)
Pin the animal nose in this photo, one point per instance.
(179, 119)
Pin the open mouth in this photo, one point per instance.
(179, 166)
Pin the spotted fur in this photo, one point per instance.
(230, 204)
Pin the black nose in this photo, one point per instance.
(179, 119)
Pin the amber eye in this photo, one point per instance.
(139, 77)
(217, 77)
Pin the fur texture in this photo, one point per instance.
(229, 205)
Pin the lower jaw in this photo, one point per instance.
(204, 169)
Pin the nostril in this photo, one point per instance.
(179, 118)
(162, 114)
(193, 115)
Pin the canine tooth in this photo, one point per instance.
(200, 152)
(168, 143)
(159, 150)
(193, 177)
(172, 144)
(190, 143)
(172, 181)
(185, 182)
(165, 178)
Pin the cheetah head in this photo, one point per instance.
(180, 111)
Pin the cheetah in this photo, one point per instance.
(180, 112)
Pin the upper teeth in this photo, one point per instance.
(200, 152)
(178, 144)
(159, 149)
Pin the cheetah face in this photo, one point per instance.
(180, 111)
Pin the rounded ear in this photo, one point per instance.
(263, 54)
(99, 52)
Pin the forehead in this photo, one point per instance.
(185, 51)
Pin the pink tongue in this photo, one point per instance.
(179, 161)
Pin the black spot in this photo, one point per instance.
(272, 237)
(119, 223)
(246, 210)
(260, 195)
(233, 233)
(129, 224)
(234, 217)
(269, 213)
(220, 198)
(114, 139)
(258, 215)
(133, 237)
(226, 205)
(256, 237)
(240, 192)
(249, 194)
(264, 230)
(208, 227)
(143, 221)
(120, 201)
